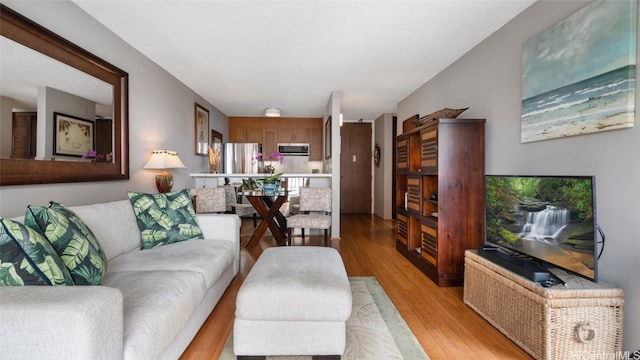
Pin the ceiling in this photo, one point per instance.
(25, 70)
(245, 56)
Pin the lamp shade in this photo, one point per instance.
(163, 159)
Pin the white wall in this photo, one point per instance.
(6, 120)
(488, 80)
(332, 165)
(161, 113)
(50, 101)
(382, 174)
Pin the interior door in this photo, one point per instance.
(104, 134)
(355, 168)
(24, 132)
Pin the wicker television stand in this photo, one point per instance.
(561, 322)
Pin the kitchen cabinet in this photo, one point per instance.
(237, 135)
(285, 135)
(294, 135)
(269, 144)
(254, 135)
(271, 131)
(315, 144)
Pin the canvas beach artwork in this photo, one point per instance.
(579, 76)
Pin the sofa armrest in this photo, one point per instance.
(61, 322)
(220, 226)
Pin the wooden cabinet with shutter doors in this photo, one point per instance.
(440, 196)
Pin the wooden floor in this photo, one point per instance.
(443, 325)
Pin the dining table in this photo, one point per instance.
(268, 207)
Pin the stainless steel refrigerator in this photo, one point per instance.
(240, 158)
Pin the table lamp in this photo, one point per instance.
(163, 160)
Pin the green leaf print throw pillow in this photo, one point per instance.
(27, 258)
(73, 241)
(165, 218)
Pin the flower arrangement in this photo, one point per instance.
(269, 169)
(214, 159)
(92, 155)
(95, 157)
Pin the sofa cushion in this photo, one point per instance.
(207, 257)
(164, 218)
(101, 218)
(72, 239)
(27, 258)
(156, 307)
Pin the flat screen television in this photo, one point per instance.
(549, 218)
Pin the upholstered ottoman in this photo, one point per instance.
(295, 301)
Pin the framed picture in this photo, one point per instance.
(216, 140)
(73, 136)
(578, 77)
(327, 139)
(202, 130)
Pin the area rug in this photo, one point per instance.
(375, 329)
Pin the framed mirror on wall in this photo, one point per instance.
(43, 75)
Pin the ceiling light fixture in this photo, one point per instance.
(272, 112)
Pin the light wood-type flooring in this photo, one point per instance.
(444, 326)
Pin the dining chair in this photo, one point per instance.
(294, 198)
(315, 212)
(208, 200)
(235, 207)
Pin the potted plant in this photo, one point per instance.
(271, 184)
(269, 168)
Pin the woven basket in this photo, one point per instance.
(445, 113)
(548, 323)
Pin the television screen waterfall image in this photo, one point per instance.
(548, 218)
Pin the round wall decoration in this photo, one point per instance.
(376, 155)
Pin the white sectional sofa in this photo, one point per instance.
(151, 302)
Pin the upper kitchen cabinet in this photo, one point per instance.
(255, 135)
(246, 135)
(269, 142)
(237, 135)
(294, 135)
(272, 131)
(315, 145)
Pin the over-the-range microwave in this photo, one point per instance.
(297, 149)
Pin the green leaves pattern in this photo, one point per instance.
(165, 218)
(27, 258)
(9, 276)
(73, 241)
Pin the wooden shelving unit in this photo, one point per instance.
(440, 196)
